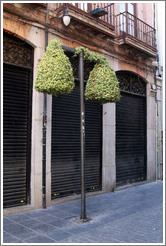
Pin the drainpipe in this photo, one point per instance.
(44, 124)
(157, 114)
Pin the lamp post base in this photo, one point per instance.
(79, 220)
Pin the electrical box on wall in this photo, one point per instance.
(153, 87)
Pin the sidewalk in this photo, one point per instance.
(133, 215)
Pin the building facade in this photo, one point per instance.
(121, 138)
(160, 18)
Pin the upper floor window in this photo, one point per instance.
(129, 7)
(122, 7)
(83, 6)
(127, 20)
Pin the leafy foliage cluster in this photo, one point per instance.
(54, 73)
(102, 85)
(91, 56)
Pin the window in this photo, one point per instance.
(82, 6)
(127, 19)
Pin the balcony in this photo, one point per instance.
(125, 28)
(109, 8)
(80, 12)
(87, 7)
(134, 32)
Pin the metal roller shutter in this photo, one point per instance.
(130, 139)
(16, 136)
(66, 155)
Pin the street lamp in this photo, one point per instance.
(66, 17)
(82, 126)
(83, 217)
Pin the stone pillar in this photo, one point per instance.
(159, 129)
(36, 146)
(109, 147)
(151, 133)
(37, 38)
(48, 150)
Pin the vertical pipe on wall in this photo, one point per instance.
(44, 125)
(157, 114)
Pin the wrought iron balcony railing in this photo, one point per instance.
(124, 23)
(108, 18)
(133, 26)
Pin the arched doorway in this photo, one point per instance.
(131, 129)
(17, 90)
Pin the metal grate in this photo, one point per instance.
(16, 51)
(129, 82)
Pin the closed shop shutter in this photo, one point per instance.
(16, 135)
(131, 129)
(130, 139)
(66, 148)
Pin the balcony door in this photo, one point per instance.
(127, 18)
(83, 6)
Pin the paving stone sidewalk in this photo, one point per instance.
(133, 215)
